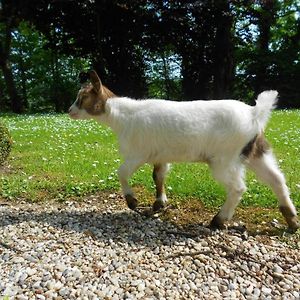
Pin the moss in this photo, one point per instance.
(5, 143)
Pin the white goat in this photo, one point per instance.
(226, 134)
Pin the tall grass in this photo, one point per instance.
(54, 157)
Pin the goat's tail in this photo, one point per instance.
(266, 101)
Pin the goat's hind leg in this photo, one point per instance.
(159, 174)
(124, 172)
(233, 179)
(267, 170)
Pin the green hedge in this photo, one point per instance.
(5, 143)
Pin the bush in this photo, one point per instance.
(5, 143)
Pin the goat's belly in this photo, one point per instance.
(176, 156)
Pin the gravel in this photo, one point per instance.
(99, 249)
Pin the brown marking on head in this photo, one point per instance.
(92, 97)
(256, 147)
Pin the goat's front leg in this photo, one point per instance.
(159, 174)
(124, 172)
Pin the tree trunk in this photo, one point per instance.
(23, 82)
(15, 99)
(223, 53)
(55, 82)
(166, 73)
(266, 19)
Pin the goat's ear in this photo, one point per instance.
(95, 80)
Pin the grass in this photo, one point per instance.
(54, 157)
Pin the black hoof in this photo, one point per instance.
(157, 205)
(217, 223)
(291, 219)
(293, 224)
(131, 202)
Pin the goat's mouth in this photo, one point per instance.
(73, 115)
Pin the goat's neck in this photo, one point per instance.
(116, 115)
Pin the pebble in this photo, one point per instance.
(266, 291)
(22, 297)
(256, 292)
(296, 294)
(249, 290)
(96, 250)
(277, 269)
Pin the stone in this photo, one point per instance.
(61, 262)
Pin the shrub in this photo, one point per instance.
(5, 143)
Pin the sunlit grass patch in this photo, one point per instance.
(55, 154)
(54, 157)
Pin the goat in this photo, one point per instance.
(225, 134)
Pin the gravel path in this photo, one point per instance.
(98, 249)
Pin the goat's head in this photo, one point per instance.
(91, 98)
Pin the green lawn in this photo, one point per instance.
(55, 157)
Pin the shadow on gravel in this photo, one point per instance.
(104, 222)
(120, 226)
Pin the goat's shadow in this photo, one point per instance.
(118, 226)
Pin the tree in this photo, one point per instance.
(201, 35)
(46, 80)
(268, 48)
(8, 21)
(106, 35)
(223, 48)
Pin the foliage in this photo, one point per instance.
(5, 143)
(47, 82)
(267, 50)
(61, 158)
(219, 49)
(163, 75)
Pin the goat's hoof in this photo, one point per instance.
(217, 223)
(131, 202)
(291, 219)
(293, 224)
(157, 205)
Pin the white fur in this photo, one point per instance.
(160, 132)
